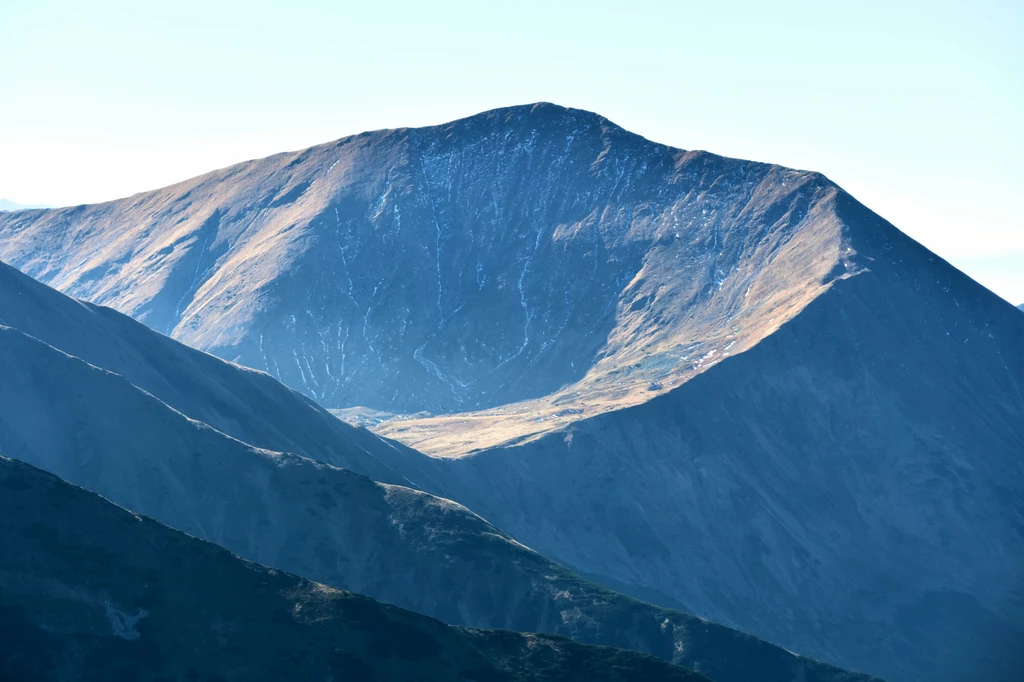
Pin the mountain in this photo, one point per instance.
(531, 253)
(89, 591)
(717, 384)
(97, 428)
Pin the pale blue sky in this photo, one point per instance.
(914, 107)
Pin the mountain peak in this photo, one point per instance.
(595, 265)
(538, 111)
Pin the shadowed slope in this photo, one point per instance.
(858, 475)
(89, 591)
(95, 428)
(866, 416)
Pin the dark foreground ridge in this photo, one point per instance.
(89, 591)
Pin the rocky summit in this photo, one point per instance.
(530, 253)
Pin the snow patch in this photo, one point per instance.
(123, 624)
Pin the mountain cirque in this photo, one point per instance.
(528, 254)
(859, 471)
(716, 383)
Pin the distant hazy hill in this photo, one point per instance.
(150, 451)
(6, 205)
(89, 591)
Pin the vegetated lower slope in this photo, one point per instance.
(90, 591)
(95, 428)
(858, 475)
(533, 253)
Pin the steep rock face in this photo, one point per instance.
(97, 429)
(89, 591)
(526, 253)
(859, 475)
